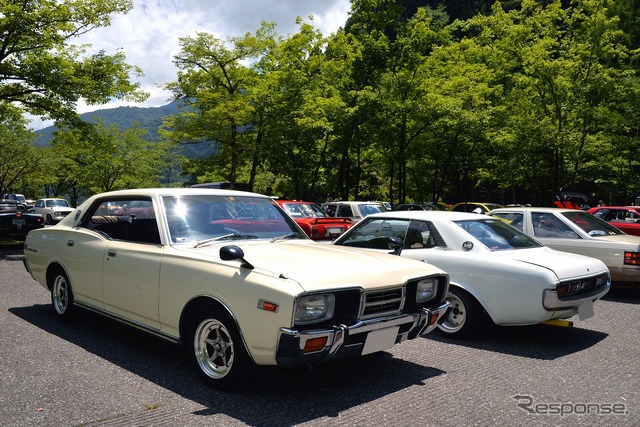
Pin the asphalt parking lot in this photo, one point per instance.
(95, 372)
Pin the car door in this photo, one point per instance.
(130, 280)
(130, 263)
(83, 256)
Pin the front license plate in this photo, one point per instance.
(380, 340)
(585, 311)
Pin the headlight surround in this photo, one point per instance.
(314, 308)
(426, 289)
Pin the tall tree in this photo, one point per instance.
(19, 159)
(212, 81)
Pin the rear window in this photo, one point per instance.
(497, 235)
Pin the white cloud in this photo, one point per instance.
(149, 34)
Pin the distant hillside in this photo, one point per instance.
(147, 118)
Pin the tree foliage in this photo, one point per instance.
(43, 72)
(509, 104)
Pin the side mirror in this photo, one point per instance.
(233, 252)
(395, 244)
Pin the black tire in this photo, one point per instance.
(48, 220)
(217, 350)
(62, 296)
(465, 317)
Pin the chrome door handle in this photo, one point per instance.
(111, 252)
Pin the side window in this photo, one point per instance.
(420, 235)
(548, 225)
(514, 219)
(344, 210)
(375, 234)
(132, 220)
(330, 210)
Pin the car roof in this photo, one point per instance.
(635, 208)
(429, 215)
(348, 202)
(178, 191)
(295, 201)
(537, 209)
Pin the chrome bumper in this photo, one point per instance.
(367, 336)
(551, 301)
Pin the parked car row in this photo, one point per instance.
(237, 280)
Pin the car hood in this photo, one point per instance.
(317, 266)
(564, 264)
(61, 209)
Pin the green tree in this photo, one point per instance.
(102, 159)
(213, 80)
(19, 158)
(44, 73)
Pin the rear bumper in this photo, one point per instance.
(342, 341)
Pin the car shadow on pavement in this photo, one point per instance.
(544, 342)
(628, 295)
(273, 396)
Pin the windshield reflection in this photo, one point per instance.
(201, 219)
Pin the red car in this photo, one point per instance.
(626, 218)
(314, 221)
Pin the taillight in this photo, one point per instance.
(632, 258)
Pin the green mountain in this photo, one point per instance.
(149, 119)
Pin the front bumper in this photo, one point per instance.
(551, 301)
(367, 336)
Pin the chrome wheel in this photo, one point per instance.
(60, 294)
(213, 348)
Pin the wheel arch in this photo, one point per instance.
(473, 294)
(52, 269)
(198, 306)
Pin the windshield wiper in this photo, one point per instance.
(286, 237)
(230, 236)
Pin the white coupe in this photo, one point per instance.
(495, 270)
(232, 278)
(582, 233)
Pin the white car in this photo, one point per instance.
(354, 210)
(53, 210)
(231, 277)
(495, 270)
(580, 232)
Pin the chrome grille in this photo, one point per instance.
(382, 302)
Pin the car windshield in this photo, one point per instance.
(497, 235)
(304, 210)
(194, 219)
(590, 224)
(62, 203)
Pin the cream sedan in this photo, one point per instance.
(580, 232)
(229, 276)
(496, 271)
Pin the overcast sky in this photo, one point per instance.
(149, 33)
